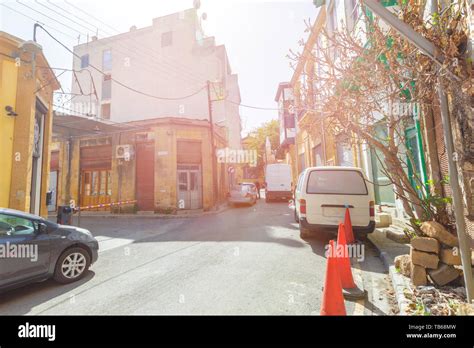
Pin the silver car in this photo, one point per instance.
(243, 193)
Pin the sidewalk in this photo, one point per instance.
(147, 215)
(388, 250)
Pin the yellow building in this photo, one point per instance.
(26, 95)
(317, 143)
(163, 165)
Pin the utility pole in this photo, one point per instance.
(213, 148)
(431, 51)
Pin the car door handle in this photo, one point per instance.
(336, 206)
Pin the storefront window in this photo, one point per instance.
(95, 183)
(103, 182)
(109, 184)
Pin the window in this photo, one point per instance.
(300, 182)
(95, 183)
(105, 111)
(84, 61)
(336, 182)
(317, 155)
(333, 18)
(107, 60)
(87, 183)
(109, 184)
(167, 39)
(354, 8)
(15, 226)
(345, 157)
(183, 181)
(107, 87)
(301, 162)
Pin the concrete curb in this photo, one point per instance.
(149, 216)
(400, 283)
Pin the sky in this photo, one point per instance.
(258, 35)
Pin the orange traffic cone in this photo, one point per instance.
(343, 261)
(348, 227)
(333, 300)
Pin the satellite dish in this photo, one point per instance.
(197, 4)
(204, 16)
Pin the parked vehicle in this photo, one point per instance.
(62, 252)
(243, 193)
(322, 195)
(278, 182)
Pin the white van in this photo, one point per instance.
(278, 182)
(322, 195)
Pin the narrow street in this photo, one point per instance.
(245, 260)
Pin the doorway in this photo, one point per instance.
(53, 187)
(37, 160)
(145, 180)
(189, 187)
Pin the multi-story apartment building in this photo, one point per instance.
(143, 73)
(326, 145)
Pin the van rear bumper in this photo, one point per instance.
(333, 228)
(286, 195)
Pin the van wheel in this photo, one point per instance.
(304, 232)
(362, 236)
(72, 265)
(297, 220)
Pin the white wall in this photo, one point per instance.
(140, 61)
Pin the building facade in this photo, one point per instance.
(159, 165)
(26, 89)
(170, 59)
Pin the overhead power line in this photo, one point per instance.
(171, 63)
(145, 64)
(116, 81)
(37, 21)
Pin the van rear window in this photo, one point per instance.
(336, 182)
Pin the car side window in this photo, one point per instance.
(15, 226)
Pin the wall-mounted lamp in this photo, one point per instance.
(10, 111)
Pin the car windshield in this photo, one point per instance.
(337, 182)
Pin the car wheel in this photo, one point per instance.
(296, 216)
(72, 265)
(304, 232)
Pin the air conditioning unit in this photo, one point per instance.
(124, 152)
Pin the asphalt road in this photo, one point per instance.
(245, 260)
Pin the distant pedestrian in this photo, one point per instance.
(257, 185)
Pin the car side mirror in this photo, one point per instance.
(42, 228)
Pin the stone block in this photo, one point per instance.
(418, 275)
(450, 256)
(437, 231)
(427, 260)
(403, 263)
(445, 274)
(427, 244)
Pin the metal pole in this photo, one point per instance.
(458, 205)
(213, 148)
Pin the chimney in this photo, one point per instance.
(133, 28)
